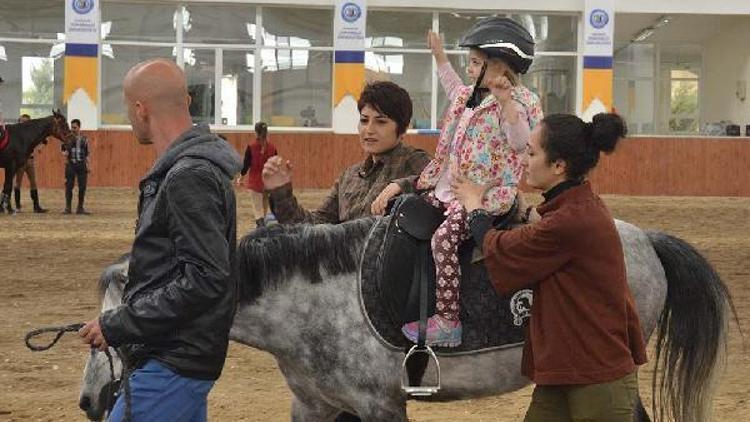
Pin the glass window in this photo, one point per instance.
(32, 18)
(287, 27)
(114, 69)
(397, 29)
(634, 87)
(408, 71)
(237, 87)
(139, 21)
(33, 80)
(683, 104)
(201, 83)
(553, 79)
(550, 32)
(297, 87)
(220, 24)
(454, 25)
(459, 62)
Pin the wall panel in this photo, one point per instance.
(640, 166)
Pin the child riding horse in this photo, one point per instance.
(18, 142)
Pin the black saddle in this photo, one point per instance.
(395, 247)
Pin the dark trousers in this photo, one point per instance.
(607, 402)
(75, 171)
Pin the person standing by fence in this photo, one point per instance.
(76, 167)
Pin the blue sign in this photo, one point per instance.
(83, 6)
(599, 18)
(350, 12)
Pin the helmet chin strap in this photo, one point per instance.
(476, 95)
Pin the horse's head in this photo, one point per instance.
(100, 381)
(60, 128)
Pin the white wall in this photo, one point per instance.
(726, 60)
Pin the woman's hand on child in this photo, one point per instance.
(502, 88)
(436, 45)
(468, 193)
(277, 172)
(381, 202)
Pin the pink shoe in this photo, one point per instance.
(440, 332)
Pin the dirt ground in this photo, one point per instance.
(49, 266)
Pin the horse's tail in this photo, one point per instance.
(691, 334)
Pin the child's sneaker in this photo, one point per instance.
(440, 332)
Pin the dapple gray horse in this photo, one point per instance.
(299, 300)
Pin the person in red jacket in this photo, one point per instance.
(584, 340)
(256, 155)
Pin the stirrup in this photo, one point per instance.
(420, 390)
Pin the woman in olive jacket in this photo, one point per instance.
(584, 340)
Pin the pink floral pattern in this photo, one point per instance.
(475, 142)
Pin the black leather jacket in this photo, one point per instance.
(181, 295)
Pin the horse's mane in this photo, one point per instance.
(270, 255)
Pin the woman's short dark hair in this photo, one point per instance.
(566, 137)
(261, 129)
(389, 99)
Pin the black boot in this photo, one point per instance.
(35, 199)
(17, 195)
(80, 209)
(5, 204)
(68, 201)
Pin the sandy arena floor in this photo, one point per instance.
(49, 265)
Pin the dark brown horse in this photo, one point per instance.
(22, 139)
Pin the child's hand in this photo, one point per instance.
(502, 88)
(436, 45)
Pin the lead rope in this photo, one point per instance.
(61, 330)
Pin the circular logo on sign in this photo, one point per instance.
(350, 12)
(599, 18)
(83, 6)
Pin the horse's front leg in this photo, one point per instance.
(10, 174)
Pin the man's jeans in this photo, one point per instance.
(159, 394)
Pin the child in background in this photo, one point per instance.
(483, 138)
(256, 155)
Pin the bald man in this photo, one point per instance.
(173, 325)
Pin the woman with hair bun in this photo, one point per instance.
(583, 341)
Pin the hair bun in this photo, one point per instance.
(605, 130)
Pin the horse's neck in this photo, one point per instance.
(35, 131)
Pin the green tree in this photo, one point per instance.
(684, 106)
(42, 80)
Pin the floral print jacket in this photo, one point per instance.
(480, 144)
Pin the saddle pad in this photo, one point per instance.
(488, 320)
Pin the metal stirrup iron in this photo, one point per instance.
(421, 347)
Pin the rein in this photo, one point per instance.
(112, 386)
(59, 330)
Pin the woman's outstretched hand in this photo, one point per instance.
(277, 172)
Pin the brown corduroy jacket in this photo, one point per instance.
(584, 328)
(356, 188)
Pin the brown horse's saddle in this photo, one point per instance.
(394, 254)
